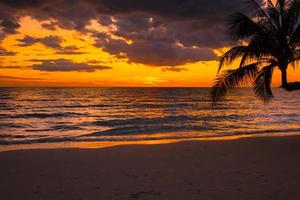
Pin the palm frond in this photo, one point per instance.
(257, 8)
(260, 13)
(296, 57)
(264, 44)
(233, 78)
(270, 3)
(262, 83)
(253, 54)
(295, 40)
(241, 26)
(280, 4)
(274, 15)
(261, 47)
(292, 15)
(231, 55)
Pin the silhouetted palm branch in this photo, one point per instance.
(292, 15)
(241, 26)
(231, 55)
(262, 83)
(260, 13)
(295, 39)
(233, 78)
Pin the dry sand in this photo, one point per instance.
(253, 168)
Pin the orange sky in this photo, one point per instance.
(16, 70)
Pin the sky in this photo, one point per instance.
(112, 43)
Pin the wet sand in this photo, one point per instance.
(249, 168)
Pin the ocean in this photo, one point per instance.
(64, 115)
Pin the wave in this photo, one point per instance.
(38, 140)
(42, 115)
(169, 105)
(143, 121)
(139, 130)
(88, 106)
(6, 98)
(180, 119)
(37, 100)
(144, 138)
(11, 125)
(288, 130)
(129, 105)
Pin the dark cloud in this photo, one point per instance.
(173, 69)
(154, 27)
(51, 42)
(64, 65)
(105, 20)
(8, 23)
(203, 10)
(4, 52)
(158, 53)
(69, 50)
(52, 26)
(23, 4)
(94, 62)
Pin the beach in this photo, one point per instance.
(150, 100)
(248, 168)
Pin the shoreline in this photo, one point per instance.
(108, 144)
(248, 168)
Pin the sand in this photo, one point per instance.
(252, 168)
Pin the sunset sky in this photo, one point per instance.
(114, 42)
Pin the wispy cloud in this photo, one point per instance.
(4, 52)
(20, 78)
(53, 42)
(63, 65)
(174, 69)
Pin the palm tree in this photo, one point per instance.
(269, 39)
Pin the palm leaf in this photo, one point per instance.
(295, 40)
(260, 13)
(274, 15)
(296, 57)
(233, 78)
(264, 44)
(241, 26)
(262, 83)
(231, 55)
(292, 15)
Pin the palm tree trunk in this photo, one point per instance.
(284, 83)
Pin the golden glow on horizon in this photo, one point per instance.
(122, 73)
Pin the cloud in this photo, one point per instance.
(173, 69)
(8, 23)
(20, 78)
(158, 53)
(52, 26)
(51, 42)
(94, 62)
(63, 65)
(69, 50)
(167, 33)
(154, 27)
(4, 52)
